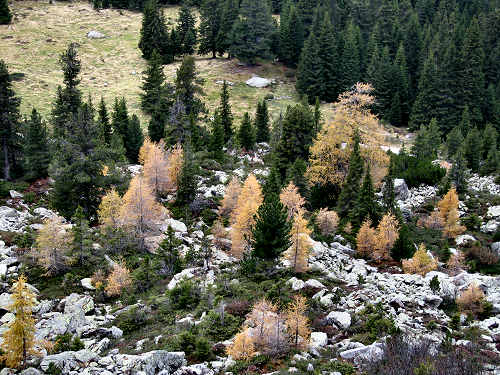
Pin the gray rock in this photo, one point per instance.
(5, 301)
(493, 212)
(368, 353)
(341, 319)
(44, 213)
(495, 246)
(177, 226)
(87, 283)
(15, 194)
(401, 189)
(317, 341)
(75, 303)
(31, 371)
(313, 283)
(464, 239)
(8, 212)
(258, 82)
(95, 35)
(296, 284)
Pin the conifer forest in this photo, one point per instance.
(250, 187)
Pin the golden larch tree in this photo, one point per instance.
(327, 221)
(53, 244)
(118, 280)
(421, 263)
(471, 300)
(387, 234)
(144, 150)
(155, 168)
(298, 253)
(109, 208)
(247, 205)
(330, 151)
(262, 318)
(175, 162)
(243, 347)
(297, 322)
(448, 209)
(456, 262)
(140, 209)
(231, 195)
(366, 240)
(292, 200)
(19, 338)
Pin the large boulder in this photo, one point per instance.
(151, 363)
(68, 361)
(75, 303)
(258, 82)
(186, 274)
(493, 212)
(464, 239)
(370, 353)
(318, 340)
(177, 226)
(401, 189)
(341, 319)
(95, 35)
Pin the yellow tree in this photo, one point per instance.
(471, 300)
(155, 167)
(298, 253)
(330, 151)
(421, 263)
(292, 200)
(387, 234)
(231, 195)
(118, 280)
(243, 347)
(53, 244)
(366, 240)
(109, 209)
(327, 221)
(18, 339)
(174, 166)
(448, 209)
(249, 201)
(262, 317)
(144, 150)
(297, 322)
(140, 209)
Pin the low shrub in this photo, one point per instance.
(416, 172)
(67, 342)
(132, 320)
(185, 295)
(372, 323)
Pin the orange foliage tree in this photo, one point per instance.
(109, 209)
(366, 240)
(155, 167)
(327, 221)
(292, 200)
(471, 300)
(231, 195)
(144, 150)
(243, 347)
(174, 166)
(387, 234)
(448, 209)
(298, 253)
(249, 201)
(53, 244)
(421, 263)
(118, 280)
(298, 323)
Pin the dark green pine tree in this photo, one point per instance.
(309, 81)
(350, 191)
(454, 140)
(120, 117)
(246, 134)
(156, 126)
(36, 155)
(176, 129)
(413, 45)
(153, 84)
(296, 173)
(9, 115)
(465, 123)
(273, 184)
(471, 74)
(388, 195)
(317, 116)
(366, 205)
(284, 29)
(291, 38)
(297, 136)
(210, 23)
(186, 191)
(491, 163)
(427, 141)
(186, 30)
(5, 14)
(168, 254)
(271, 232)
(134, 139)
(226, 115)
(68, 98)
(154, 34)
(473, 149)
(82, 240)
(251, 34)
(458, 173)
(188, 86)
(403, 248)
(229, 15)
(402, 90)
(217, 137)
(489, 140)
(329, 63)
(384, 79)
(262, 122)
(492, 106)
(350, 64)
(105, 129)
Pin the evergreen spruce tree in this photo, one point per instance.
(156, 126)
(350, 190)
(427, 141)
(210, 23)
(296, 173)
(454, 140)
(366, 205)
(9, 115)
(154, 34)
(473, 149)
(489, 140)
(153, 85)
(188, 86)
(229, 15)
(217, 137)
(262, 122)
(465, 123)
(5, 14)
(186, 30)
(134, 139)
(105, 129)
(186, 191)
(491, 163)
(458, 173)
(403, 248)
(35, 148)
(120, 117)
(329, 73)
(273, 183)
(309, 82)
(246, 134)
(82, 241)
(492, 105)
(388, 195)
(68, 98)
(226, 115)
(291, 37)
(251, 33)
(350, 66)
(271, 232)
(177, 127)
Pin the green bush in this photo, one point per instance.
(53, 369)
(132, 320)
(7, 186)
(416, 172)
(185, 295)
(216, 330)
(372, 323)
(434, 284)
(202, 351)
(66, 343)
(472, 222)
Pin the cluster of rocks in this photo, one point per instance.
(493, 220)
(414, 198)
(483, 184)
